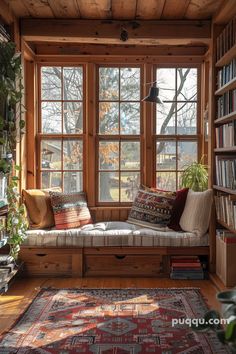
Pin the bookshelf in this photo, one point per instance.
(224, 130)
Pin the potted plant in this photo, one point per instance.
(195, 177)
(227, 332)
(11, 127)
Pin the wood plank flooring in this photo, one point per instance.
(23, 291)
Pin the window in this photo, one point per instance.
(176, 124)
(61, 127)
(118, 133)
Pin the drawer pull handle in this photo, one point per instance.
(120, 256)
(41, 254)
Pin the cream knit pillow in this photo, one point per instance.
(197, 212)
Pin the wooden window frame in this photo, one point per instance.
(118, 137)
(61, 136)
(179, 137)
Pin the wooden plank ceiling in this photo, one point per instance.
(117, 9)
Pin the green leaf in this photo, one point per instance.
(22, 124)
(230, 333)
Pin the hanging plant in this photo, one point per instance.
(16, 221)
(11, 128)
(11, 124)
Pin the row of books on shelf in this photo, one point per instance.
(226, 74)
(187, 267)
(226, 171)
(227, 39)
(7, 267)
(226, 135)
(226, 209)
(226, 236)
(226, 103)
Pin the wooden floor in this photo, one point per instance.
(23, 291)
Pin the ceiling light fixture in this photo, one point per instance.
(153, 94)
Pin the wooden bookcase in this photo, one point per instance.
(224, 135)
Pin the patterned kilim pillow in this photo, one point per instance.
(70, 210)
(151, 208)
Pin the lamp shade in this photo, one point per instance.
(153, 95)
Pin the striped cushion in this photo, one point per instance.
(152, 208)
(70, 210)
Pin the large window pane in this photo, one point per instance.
(187, 84)
(130, 84)
(166, 155)
(187, 153)
(109, 118)
(62, 114)
(51, 179)
(51, 117)
(130, 118)
(109, 187)
(166, 83)
(108, 84)
(109, 155)
(130, 156)
(51, 83)
(51, 154)
(165, 118)
(73, 182)
(73, 83)
(186, 118)
(118, 115)
(73, 118)
(166, 180)
(129, 184)
(72, 154)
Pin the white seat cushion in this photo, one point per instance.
(114, 233)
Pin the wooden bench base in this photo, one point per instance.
(103, 261)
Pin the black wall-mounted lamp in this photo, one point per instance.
(153, 94)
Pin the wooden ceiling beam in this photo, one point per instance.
(6, 13)
(225, 13)
(114, 50)
(109, 32)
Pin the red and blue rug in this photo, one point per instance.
(107, 321)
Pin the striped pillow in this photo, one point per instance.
(70, 210)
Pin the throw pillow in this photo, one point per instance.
(38, 206)
(197, 212)
(152, 209)
(178, 207)
(70, 210)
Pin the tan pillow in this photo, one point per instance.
(197, 212)
(39, 209)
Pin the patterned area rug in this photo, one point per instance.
(106, 321)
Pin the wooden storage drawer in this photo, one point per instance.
(48, 264)
(123, 265)
(52, 261)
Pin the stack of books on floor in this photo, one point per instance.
(7, 267)
(186, 267)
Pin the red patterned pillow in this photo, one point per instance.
(70, 210)
(178, 207)
(152, 208)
